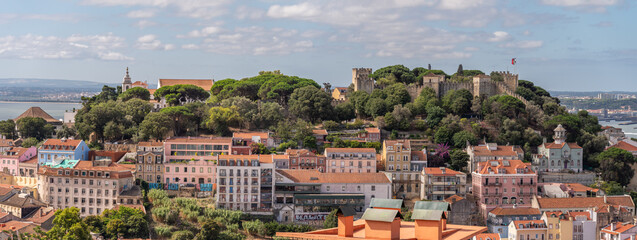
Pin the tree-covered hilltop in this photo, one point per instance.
(292, 106)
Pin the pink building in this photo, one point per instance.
(10, 160)
(504, 183)
(192, 160)
(196, 171)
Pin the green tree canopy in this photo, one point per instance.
(222, 118)
(401, 73)
(458, 159)
(311, 104)
(7, 129)
(266, 86)
(156, 125)
(136, 92)
(35, 127)
(68, 225)
(615, 165)
(181, 94)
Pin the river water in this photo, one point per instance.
(10, 110)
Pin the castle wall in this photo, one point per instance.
(445, 87)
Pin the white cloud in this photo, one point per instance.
(499, 36)
(144, 13)
(245, 12)
(203, 9)
(144, 23)
(452, 55)
(204, 32)
(523, 44)
(254, 40)
(462, 4)
(586, 5)
(103, 47)
(150, 42)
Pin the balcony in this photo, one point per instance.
(525, 194)
(526, 183)
(493, 184)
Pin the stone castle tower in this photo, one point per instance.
(361, 79)
(126, 84)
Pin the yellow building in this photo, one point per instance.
(527, 230)
(339, 93)
(560, 225)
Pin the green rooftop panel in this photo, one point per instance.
(423, 214)
(66, 163)
(432, 205)
(386, 203)
(381, 215)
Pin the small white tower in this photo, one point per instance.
(126, 84)
(560, 134)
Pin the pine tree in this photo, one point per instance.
(459, 70)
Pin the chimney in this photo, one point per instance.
(605, 199)
(429, 224)
(612, 226)
(345, 225)
(442, 169)
(382, 223)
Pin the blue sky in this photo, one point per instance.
(579, 45)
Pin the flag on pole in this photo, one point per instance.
(513, 61)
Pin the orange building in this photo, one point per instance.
(386, 223)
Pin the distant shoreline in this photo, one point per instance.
(34, 101)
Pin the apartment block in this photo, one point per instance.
(350, 160)
(91, 186)
(305, 160)
(244, 182)
(441, 183)
(150, 162)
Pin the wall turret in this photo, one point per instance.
(362, 80)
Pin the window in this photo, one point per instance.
(373, 188)
(343, 188)
(327, 188)
(358, 188)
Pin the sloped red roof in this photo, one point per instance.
(624, 145)
(498, 211)
(584, 202)
(206, 84)
(314, 176)
(37, 112)
(560, 146)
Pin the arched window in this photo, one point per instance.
(505, 200)
(552, 163)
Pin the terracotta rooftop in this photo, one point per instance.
(439, 171)
(249, 135)
(6, 142)
(584, 202)
(487, 236)
(575, 214)
(453, 199)
(420, 154)
(560, 146)
(372, 130)
(221, 140)
(319, 132)
(115, 170)
(578, 187)
(37, 112)
(506, 166)
(350, 150)
(15, 226)
(515, 211)
(407, 231)
(314, 176)
(51, 142)
(300, 152)
(139, 83)
(113, 155)
(625, 145)
(484, 150)
(619, 228)
(206, 84)
(529, 224)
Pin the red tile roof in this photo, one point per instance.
(372, 130)
(487, 236)
(58, 142)
(206, 84)
(16, 226)
(584, 202)
(575, 214)
(619, 228)
(6, 142)
(350, 150)
(624, 145)
(37, 112)
(453, 199)
(529, 224)
(249, 135)
(314, 176)
(319, 132)
(438, 172)
(560, 146)
(515, 211)
(420, 154)
(499, 151)
(497, 165)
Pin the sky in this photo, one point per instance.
(570, 45)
